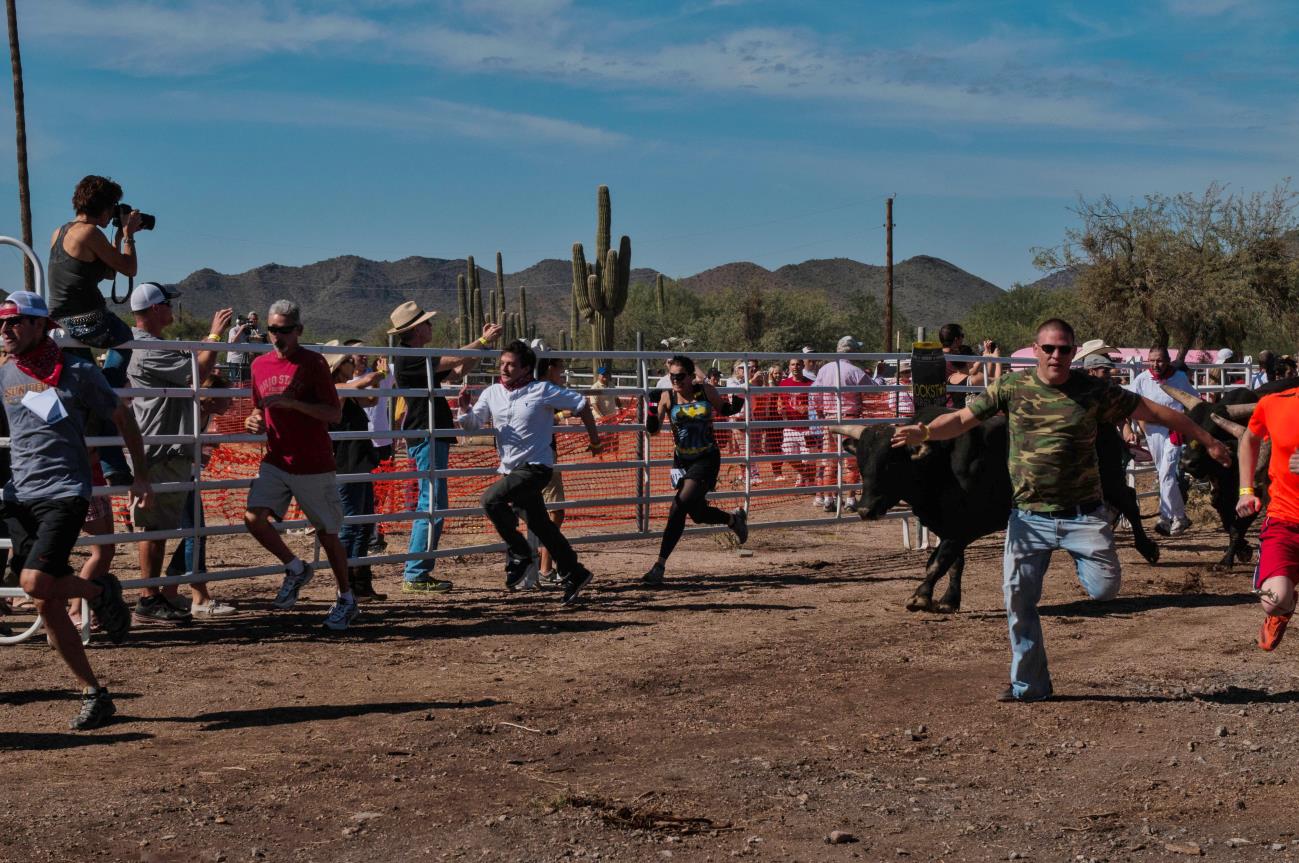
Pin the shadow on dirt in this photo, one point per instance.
(33, 696)
(262, 717)
(1140, 604)
(13, 741)
(1230, 695)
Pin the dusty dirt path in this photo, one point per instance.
(749, 710)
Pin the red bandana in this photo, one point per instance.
(43, 362)
(517, 383)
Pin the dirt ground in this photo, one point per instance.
(749, 710)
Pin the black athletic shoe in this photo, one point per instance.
(574, 581)
(111, 609)
(517, 570)
(740, 524)
(156, 609)
(1008, 696)
(654, 577)
(96, 709)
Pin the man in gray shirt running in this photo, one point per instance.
(49, 397)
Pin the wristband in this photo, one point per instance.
(1249, 489)
(212, 337)
(482, 341)
(926, 428)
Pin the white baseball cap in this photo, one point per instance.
(24, 303)
(149, 294)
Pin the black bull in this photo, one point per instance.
(960, 490)
(1225, 421)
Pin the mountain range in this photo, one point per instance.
(349, 296)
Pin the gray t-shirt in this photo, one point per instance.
(154, 414)
(49, 459)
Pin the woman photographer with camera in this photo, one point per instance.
(80, 258)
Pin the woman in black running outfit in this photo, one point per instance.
(690, 407)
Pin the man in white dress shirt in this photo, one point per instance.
(1165, 447)
(522, 411)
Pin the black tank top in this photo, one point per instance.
(692, 426)
(74, 284)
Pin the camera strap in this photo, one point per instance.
(130, 286)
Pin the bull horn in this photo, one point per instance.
(1241, 412)
(1236, 429)
(853, 432)
(1186, 400)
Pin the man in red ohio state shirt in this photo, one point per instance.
(793, 408)
(294, 401)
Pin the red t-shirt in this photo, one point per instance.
(295, 442)
(794, 407)
(1277, 417)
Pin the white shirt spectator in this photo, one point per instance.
(524, 420)
(379, 413)
(1146, 386)
(839, 405)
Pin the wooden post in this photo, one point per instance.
(888, 275)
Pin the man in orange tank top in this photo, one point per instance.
(1276, 417)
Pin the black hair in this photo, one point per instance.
(527, 356)
(948, 334)
(1057, 324)
(687, 364)
(543, 366)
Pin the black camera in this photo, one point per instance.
(123, 212)
(240, 321)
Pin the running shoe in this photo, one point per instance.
(341, 614)
(740, 524)
(830, 502)
(96, 709)
(818, 501)
(215, 608)
(520, 573)
(850, 504)
(574, 581)
(1008, 696)
(551, 578)
(155, 608)
(654, 577)
(110, 608)
(1273, 629)
(425, 584)
(288, 595)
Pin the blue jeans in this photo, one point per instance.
(1030, 539)
(357, 499)
(419, 530)
(182, 559)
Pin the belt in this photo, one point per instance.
(87, 318)
(1068, 511)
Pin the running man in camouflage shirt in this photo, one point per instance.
(1053, 413)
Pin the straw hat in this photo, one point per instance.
(1091, 347)
(408, 316)
(334, 360)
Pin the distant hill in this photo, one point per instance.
(350, 296)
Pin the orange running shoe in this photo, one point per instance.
(1273, 628)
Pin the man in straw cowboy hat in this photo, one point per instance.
(294, 402)
(413, 329)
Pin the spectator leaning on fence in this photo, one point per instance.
(522, 411)
(294, 401)
(793, 409)
(413, 328)
(837, 406)
(49, 396)
(158, 368)
(1164, 444)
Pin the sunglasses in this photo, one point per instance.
(14, 320)
(284, 330)
(680, 376)
(1064, 350)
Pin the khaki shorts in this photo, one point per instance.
(167, 508)
(316, 494)
(554, 490)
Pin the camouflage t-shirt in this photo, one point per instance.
(1053, 434)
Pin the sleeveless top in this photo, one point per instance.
(74, 284)
(692, 427)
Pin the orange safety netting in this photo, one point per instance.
(241, 460)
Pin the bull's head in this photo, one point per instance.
(885, 471)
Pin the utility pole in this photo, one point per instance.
(20, 126)
(888, 275)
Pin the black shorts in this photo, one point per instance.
(43, 532)
(702, 469)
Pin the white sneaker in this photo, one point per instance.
(288, 595)
(830, 501)
(818, 501)
(215, 608)
(341, 614)
(1179, 526)
(850, 504)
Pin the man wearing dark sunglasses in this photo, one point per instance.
(1053, 414)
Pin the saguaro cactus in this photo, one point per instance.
(660, 295)
(600, 288)
(523, 310)
(496, 311)
(462, 309)
(475, 296)
(500, 285)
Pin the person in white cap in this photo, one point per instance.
(159, 368)
(49, 399)
(838, 406)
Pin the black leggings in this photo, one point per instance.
(691, 500)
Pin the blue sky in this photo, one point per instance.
(292, 131)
